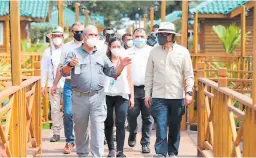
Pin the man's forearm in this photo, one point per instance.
(58, 76)
(66, 70)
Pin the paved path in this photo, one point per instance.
(187, 147)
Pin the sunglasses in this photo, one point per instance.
(112, 34)
(77, 32)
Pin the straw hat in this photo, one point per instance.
(167, 27)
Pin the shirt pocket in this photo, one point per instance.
(176, 61)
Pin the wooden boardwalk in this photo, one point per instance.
(187, 147)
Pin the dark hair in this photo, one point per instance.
(108, 53)
(106, 29)
(156, 26)
(127, 34)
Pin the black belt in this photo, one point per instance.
(141, 86)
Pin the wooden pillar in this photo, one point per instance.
(60, 13)
(86, 17)
(184, 36)
(145, 21)
(151, 18)
(201, 128)
(15, 42)
(243, 31)
(7, 34)
(249, 136)
(163, 10)
(77, 11)
(222, 131)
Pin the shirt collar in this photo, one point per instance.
(82, 48)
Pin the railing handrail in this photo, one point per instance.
(247, 101)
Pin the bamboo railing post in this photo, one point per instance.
(163, 10)
(201, 129)
(60, 13)
(151, 18)
(243, 31)
(222, 130)
(38, 117)
(67, 27)
(184, 25)
(77, 11)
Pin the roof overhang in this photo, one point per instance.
(238, 11)
(212, 16)
(23, 18)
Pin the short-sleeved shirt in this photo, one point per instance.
(67, 47)
(93, 68)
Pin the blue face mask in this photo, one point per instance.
(139, 42)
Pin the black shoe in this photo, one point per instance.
(120, 154)
(132, 140)
(158, 155)
(55, 138)
(145, 149)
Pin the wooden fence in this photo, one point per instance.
(224, 129)
(21, 127)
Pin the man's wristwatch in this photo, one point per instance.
(189, 93)
(70, 65)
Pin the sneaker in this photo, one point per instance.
(68, 148)
(145, 149)
(120, 154)
(172, 155)
(111, 153)
(158, 155)
(132, 140)
(55, 138)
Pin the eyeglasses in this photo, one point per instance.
(112, 34)
(77, 32)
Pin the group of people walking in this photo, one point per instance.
(106, 83)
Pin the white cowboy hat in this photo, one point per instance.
(167, 27)
(57, 31)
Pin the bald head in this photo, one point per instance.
(78, 26)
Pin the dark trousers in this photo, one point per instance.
(120, 105)
(133, 113)
(167, 112)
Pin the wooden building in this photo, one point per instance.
(222, 12)
(30, 11)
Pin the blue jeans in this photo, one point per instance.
(68, 118)
(121, 106)
(167, 112)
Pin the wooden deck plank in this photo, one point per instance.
(187, 147)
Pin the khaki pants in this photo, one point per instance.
(55, 111)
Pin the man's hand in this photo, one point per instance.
(131, 103)
(188, 99)
(43, 91)
(74, 61)
(53, 90)
(147, 102)
(125, 61)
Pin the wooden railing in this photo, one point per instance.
(21, 127)
(238, 80)
(28, 62)
(226, 119)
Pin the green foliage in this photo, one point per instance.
(38, 33)
(39, 47)
(230, 36)
(112, 10)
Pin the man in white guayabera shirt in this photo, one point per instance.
(139, 54)
(49, 64)
(167, 63)
(77, 30)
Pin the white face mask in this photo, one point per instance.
(130, 43)
(57, 41)
(92, 42)
(116, 51)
